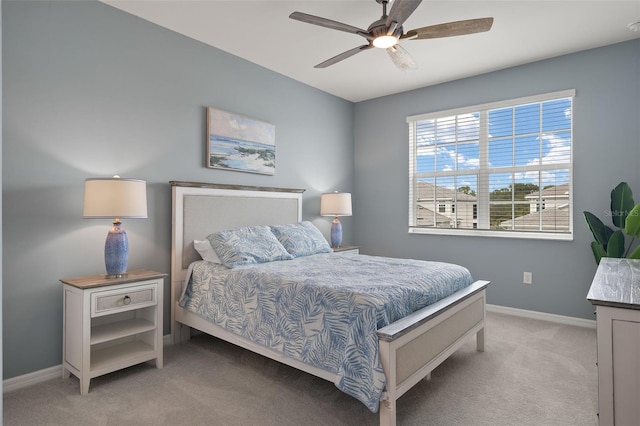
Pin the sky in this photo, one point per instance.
(518, 138)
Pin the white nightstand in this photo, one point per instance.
(346, 250)
(111, 323)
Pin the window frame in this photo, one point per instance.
(483, 173)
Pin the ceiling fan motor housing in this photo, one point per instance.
(379, 28)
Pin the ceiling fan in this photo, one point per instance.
(387, 31)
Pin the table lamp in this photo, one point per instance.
(115, 198)
(335, 204)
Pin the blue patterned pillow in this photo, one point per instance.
(301, 239)
(245, 246)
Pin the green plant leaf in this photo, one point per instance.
(635, 254)
(615, 246)
(601, 232)
(598, 251)
(632, 224)
(621, 204)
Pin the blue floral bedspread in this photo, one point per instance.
(322, 309)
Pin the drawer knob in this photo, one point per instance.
(126, 300)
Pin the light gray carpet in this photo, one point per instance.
(532, 373)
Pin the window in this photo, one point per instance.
(505, 169)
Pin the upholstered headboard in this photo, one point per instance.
(198, 209)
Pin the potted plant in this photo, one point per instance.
(625, 216)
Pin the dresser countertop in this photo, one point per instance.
(616, 283)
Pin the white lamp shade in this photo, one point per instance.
(115, 198)
(335, 204)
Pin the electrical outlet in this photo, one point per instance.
(527, 277)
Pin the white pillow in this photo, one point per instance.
(206, 251)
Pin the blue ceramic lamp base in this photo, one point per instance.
(116, 251)
(336, 233)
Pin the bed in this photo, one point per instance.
(408, 346)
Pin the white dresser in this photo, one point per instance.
(615, 292)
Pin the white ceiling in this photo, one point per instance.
(261, 32)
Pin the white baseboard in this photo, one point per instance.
(50, 373)
(29, 379)
(543, 316)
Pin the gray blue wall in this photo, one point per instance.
(1, 402)
(92, 91)
(606, 152)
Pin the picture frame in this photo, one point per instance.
(240, 143)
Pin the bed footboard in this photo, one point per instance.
(414, 346)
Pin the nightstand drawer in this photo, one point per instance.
(108, 302)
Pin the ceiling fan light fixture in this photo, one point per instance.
(385, 41)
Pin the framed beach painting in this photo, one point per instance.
(236, 142)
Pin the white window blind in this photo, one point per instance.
(500, 169)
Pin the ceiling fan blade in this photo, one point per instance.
(328, 23)
(450, 29)
(401, 58)
(343, 56)
(401, 10)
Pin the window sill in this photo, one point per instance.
(493, 234)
